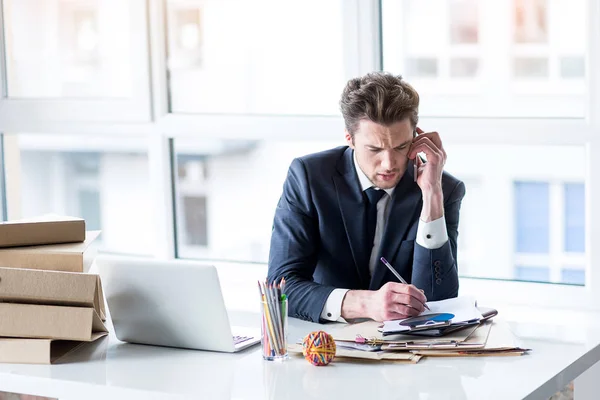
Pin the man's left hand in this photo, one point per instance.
(429, 173)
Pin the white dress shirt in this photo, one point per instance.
(430, 235)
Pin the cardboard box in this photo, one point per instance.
(69, 257)
(29, 286)
(49, 229)
(49, 322)
(39, 351)
(45, 315)
(50, 305)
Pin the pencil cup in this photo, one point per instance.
(274, 329)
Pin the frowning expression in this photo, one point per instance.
(381, 151)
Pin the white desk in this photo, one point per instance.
(113, 370)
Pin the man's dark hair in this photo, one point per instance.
(380, 97)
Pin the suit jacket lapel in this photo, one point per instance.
(405, 203)
(352, 207)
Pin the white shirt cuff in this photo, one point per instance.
(332, 311)
(432, 235)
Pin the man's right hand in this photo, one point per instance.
(396, 301)
(392, 301)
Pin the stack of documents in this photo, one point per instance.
(466, 334)
(492, 338)
(367, 353)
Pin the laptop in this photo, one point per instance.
(169, 303)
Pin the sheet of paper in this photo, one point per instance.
(463, 308)
(474, 337)
(357, 346)
(367, 329)
(500, 341)
(369, 355)
(502, 338)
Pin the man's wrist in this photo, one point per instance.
(433, 204)
(356, 304)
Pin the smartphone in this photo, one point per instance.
(415, 168)
(415, 165)
(415, 162)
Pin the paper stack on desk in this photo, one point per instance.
(374, 354)
(471, 336)
(499, 341)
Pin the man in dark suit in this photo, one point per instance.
(344, 208)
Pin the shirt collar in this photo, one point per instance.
(365, 182)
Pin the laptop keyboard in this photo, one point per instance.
(241, 339)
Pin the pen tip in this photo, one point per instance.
(383, 259)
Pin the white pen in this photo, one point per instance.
(396, 274)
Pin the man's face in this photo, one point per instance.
(381, 151)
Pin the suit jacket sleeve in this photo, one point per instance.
(295, 242)
(436, 271)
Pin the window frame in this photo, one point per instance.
(3, 208)
(491, 47)
(557, 257)
(27, 113)
(362, 29)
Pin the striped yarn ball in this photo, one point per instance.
(318, 348)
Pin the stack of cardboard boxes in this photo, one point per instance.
(49, 304)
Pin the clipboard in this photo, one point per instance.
(442, 331)
(440, 324)
(367, 333)
(423, 323)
